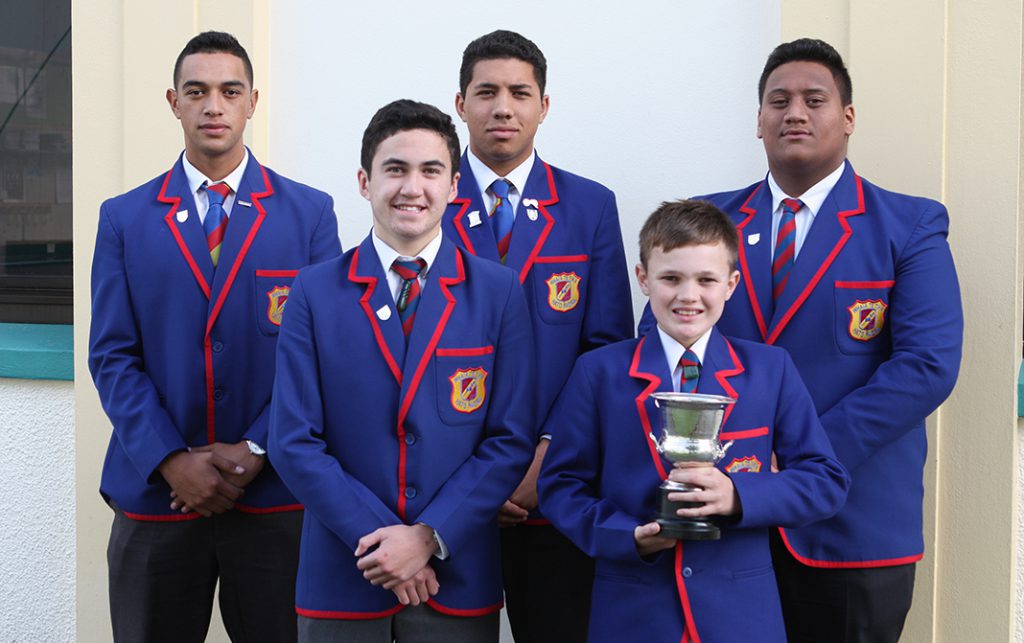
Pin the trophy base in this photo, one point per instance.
(689, 529)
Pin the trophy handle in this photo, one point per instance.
(722, 449)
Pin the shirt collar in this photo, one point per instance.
(388, 254)
(813, 197)
(485, 176)
(196, 179)
(674, 350)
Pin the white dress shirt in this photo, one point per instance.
(196, 181)
(485, 176)
(812, 200)
(388, 255)
(674, 353)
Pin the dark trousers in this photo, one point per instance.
(420, 624)
(163, 574)
(548, 582)
(866, 605)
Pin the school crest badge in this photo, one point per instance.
(750, 464)
(867, 319)
(563, 291)
(278, 297)
(469, 389)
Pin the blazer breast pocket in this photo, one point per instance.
(862, 316)
(747, 454)
(463, 384)
(560, 287)
(272, 288)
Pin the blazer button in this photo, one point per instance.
(410, 492)
(410, 439)
(218, 347)
(687, 572)
(218, 394)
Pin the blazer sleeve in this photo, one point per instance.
(323, 245)
(296, 446)
(143, 428)
(569, 480)
(472, 495)
(811, 484)
(926, 323)
(609, 313)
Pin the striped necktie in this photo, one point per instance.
(409, 295)
(216, 221)
(502, 216)
(690, 373)
(785, 246)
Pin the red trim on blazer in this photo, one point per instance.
(457, 221)
(858, 564)
(169, 219)
(353, 616)
(211, 434)
(192, 515)
(364, 301)
(690, 628)
(464, 352)
(744, 266)
(813, 283)
(562, 259)
(866, 284)
(641, 408)
(410, 393)
(542, 207)
(276, 273)
(721, 376)
(742, 435)
(247, 509)
(451, 611)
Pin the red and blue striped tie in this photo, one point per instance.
(785, 246)
(690, 364)
(216, 221)
(502, 216)
(409, 295)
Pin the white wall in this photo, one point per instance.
(657, 100)
(37, 523)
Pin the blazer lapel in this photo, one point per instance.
(378, 304)
(755, 251)
(720, 365)
(188, 233)
(247, 215)
(534, 219)
(825, 240)
(651, 370)
(470, 220)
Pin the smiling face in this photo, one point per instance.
(213, 100)
(688, 287)
(502, 106)
(408, 186)
(804, 125)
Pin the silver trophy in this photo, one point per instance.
(690, 426)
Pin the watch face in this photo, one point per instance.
(255, 449)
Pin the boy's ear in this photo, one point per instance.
(734, 280)
(641, 279)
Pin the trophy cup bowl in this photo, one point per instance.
(690, 427)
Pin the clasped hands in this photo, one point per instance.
(209, 479)
(399, 562)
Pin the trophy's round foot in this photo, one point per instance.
(689, 530)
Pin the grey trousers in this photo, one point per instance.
(419, 624)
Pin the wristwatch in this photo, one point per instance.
(256, 449)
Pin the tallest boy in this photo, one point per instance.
(560, 233)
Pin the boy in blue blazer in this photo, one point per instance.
(560, 233)
(403, 407)
(189, 282)
(599, 483)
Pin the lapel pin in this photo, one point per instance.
(530, 203)
(384, 312)
(531, 214)
(245, 203)
(753, 239)
(474, 218)
(182, 216)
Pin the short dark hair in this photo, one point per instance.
(809, 50)
(213, 42)
(404, 115)
(503, 44)
(688, 222)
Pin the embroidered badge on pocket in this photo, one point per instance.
(749, 464)
(469, 389)
(278, 297)
(867, 319)
(563, 291)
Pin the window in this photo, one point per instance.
(35, 162)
